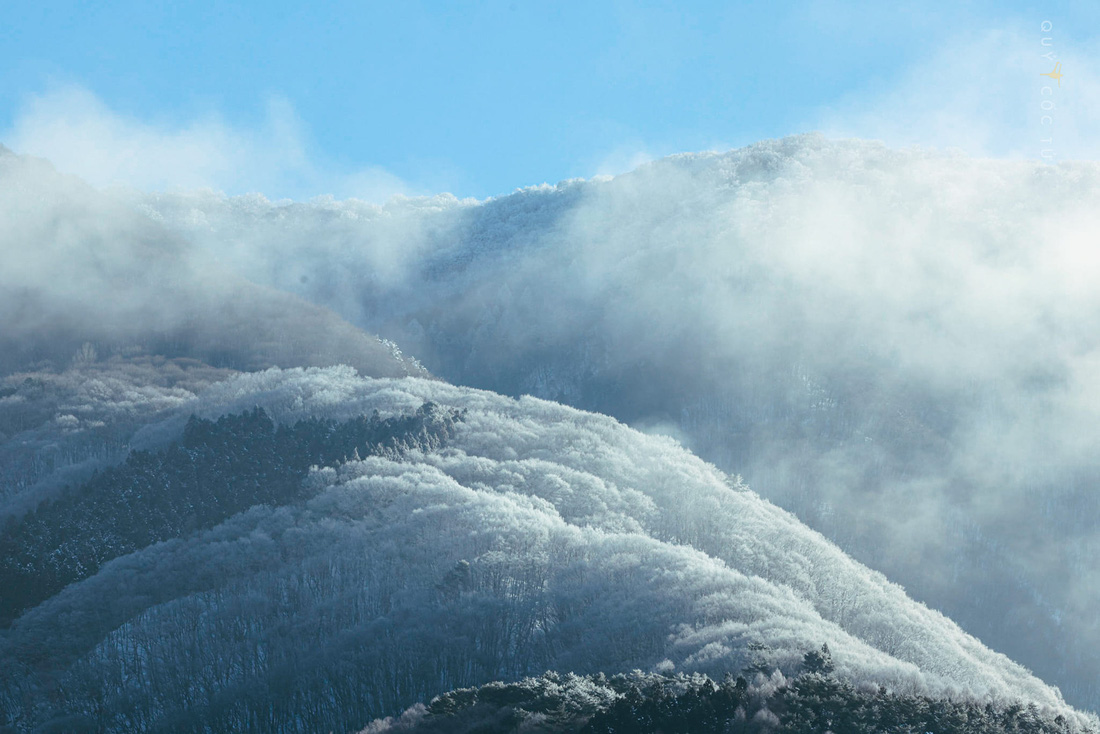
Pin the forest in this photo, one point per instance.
(155, 496)
(810, 702)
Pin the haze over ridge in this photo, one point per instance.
(898, 345)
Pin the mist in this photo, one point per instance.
(83, 136)
(85, 266)
(897, 345)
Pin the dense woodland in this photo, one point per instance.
(809, 703)
(217, 469)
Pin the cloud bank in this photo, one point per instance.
(81, 135)
(83, 266)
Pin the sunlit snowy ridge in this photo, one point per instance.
(539, 537)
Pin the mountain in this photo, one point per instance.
(899, 346)
(224, 507)
(454, 538)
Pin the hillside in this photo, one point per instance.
(524, 536)
(899, 346)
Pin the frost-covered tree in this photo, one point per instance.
(535, 537)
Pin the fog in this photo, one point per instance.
(897, 345)
(85, 266)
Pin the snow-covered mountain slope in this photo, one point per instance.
(57, 428)
(535, 536)
(899, 346)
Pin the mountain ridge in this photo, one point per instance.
(898, 345)
(543, 535)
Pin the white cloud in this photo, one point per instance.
(624, 158)
(983, 94)
(80, 134)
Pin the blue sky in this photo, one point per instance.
(368, 99)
